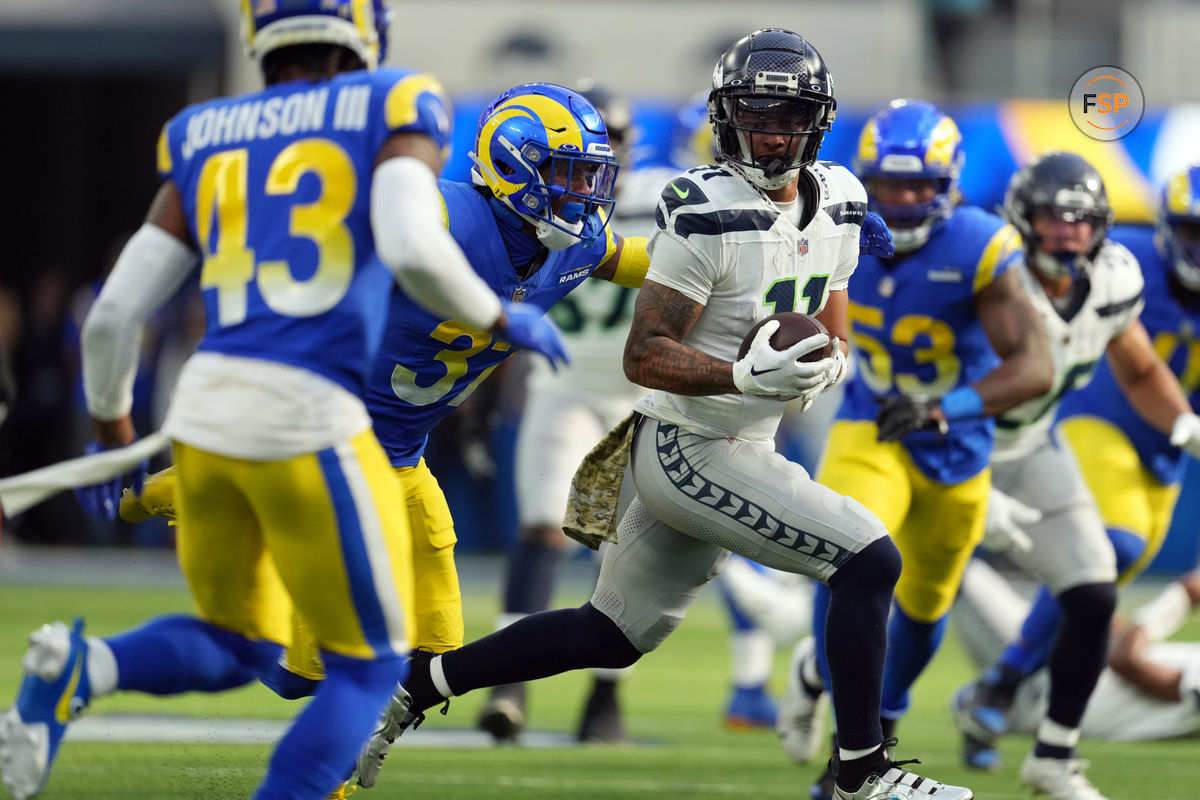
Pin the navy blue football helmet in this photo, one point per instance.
(1071, 188)
(768, 84)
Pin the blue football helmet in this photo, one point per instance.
(768, 84)
(358, 25)
(1179, 225)
(542, 150)
(911, 140)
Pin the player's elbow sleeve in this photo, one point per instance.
(404, 218)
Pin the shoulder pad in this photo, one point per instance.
(1117, 266)
(842, 196)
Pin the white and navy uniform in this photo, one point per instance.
(569, 410)
(707, 476)
(1070, 545)
(988, 614)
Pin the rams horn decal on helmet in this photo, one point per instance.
(359, 25)
(911, 139)
(542, 150)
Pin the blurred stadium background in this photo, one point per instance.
(87, 84)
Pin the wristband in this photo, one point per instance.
(962, 403)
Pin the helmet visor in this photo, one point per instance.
(775, 114)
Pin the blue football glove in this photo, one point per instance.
(102, 499)
(529, 328)
(875, 239)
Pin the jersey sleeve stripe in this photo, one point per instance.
(999, 249)
(714, 223)
(849, 212)
(1121, 305)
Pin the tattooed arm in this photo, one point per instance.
(655, 356)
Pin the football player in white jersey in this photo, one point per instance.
(1088, 292)
(566, 413)
(1150, 688)
(767, 230)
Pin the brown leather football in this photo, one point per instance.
(793, 327)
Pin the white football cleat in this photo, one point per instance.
(1058, 778)
(801, 720)
(899, 784)
(396, 719)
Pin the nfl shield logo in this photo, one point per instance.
(518, 294)
(802, 248)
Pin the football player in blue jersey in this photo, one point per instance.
(767, 229)
(945, 338)
(1129, 429)
(566, 412)
(533, 223)
(300, 202)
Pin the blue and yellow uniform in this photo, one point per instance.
(275, 186)
(915, 331)
(427, 367)
(1131, 468)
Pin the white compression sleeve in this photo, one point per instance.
(149, 270)
(414, 243)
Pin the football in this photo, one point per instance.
(793, 327)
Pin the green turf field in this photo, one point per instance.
(673, 701)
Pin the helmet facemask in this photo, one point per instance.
(911, 224)
(769, 136)
(1061, 263)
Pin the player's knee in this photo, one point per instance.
(544, 535)
(287, 684)
(1090, 604)
(874, 568)
(612, 648)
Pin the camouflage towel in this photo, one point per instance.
(592, 504)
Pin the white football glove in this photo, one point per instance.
(768, 372)
(838, 369)
(1005, 518)
(1186, 434)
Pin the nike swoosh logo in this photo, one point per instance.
(62, 710)
(754, 373)
(682, 195)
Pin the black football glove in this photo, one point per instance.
(900, 415)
